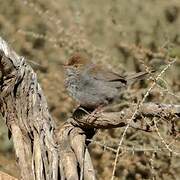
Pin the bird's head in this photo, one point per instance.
(76, 64)
(77, 60)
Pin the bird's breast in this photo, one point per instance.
(72, 85)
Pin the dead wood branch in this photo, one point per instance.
(43, 150)
(107, 120)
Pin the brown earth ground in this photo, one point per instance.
(111, 32)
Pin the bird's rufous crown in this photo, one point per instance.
(77, 59)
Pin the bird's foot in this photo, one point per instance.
(94, 113)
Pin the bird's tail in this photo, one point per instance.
(138, 76)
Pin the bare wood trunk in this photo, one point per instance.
(25, 109)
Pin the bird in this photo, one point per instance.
(93, 85)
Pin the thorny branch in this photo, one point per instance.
(43, 150)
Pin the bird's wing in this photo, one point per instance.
(104, 74)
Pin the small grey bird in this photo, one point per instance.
(93, 85)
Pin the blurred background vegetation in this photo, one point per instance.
(117, 33)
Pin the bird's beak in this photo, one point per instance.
(63, 65)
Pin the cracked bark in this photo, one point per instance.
(44, 151)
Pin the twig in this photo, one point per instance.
(134, 114)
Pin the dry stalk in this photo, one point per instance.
(139, 105)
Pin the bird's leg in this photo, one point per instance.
(80, 112)
(94, 113)
(83, 109)
(90, 114)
